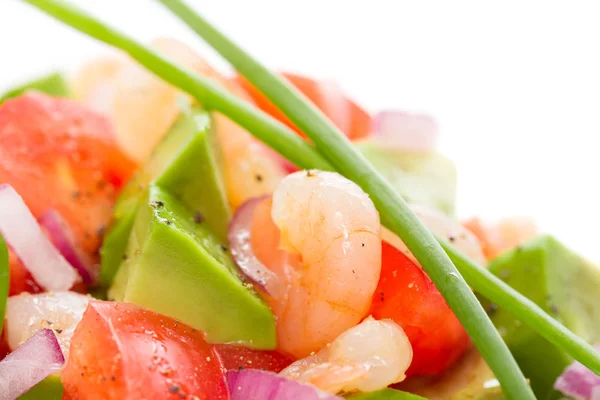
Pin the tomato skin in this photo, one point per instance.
(408, 296)
(123, 351)
(238, 357)
(59, 155)
(348, 116)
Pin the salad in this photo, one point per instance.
(169, 232)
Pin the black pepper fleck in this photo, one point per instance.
(223, 247)
(491, 309)
(198, 218)
(452, 239)
(258, 178)
(310, 173)
(124, 257)
(156, 204)
(113, 378)
(59, 331)
(174, 389)
(100, 232)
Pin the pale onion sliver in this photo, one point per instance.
(25, 237)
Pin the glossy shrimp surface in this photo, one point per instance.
(143, 108)
(367, 357)
(333, 228)
(444, 226)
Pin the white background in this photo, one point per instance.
(515, 86)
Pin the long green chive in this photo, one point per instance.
(522, 308)
(4, 280)
(272, 132)
(394, 211)
(479, 278)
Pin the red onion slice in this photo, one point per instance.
(254, 384)
(62, 237)
(29, 364)
(239, 236)
(405, 131)
(25, 237)
(579, 382)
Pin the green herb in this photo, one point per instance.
(4, 280)
(395, 213)
(251, 119)
(213, 96)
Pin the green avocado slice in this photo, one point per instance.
(386, 394)
(565, 286)
(422, 178)
(178, 267)
(49, 389)
(187, 164)
(53, 84)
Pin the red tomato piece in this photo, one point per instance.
(407, 295)
(59, 155)
(348, 116)
(239, 357)
(21, 279)
(123, 351)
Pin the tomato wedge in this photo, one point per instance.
(408, 296)
(123, 351)
(327, 96)
(59, 155)
(238, 357)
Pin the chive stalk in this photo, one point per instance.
(394, 211)
(251, 119)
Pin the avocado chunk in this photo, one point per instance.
(53, 84)
(386, 394)
(178, 267)
(49, 389)
(187, 164)
(561, 283)
(428, 179)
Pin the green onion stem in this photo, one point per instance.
(394, 211)
(494, 289)
(212, 95)
(4, 280)
(479, 278)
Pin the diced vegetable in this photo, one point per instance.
(386, 394)
(328, 96)
(235, 357)
(60, 156)
(563, 284)
(4, 280)
(125, 352)
(428, 178)
(61, 236)
(186, 163)
(23, 234)
(49, 389)
(402, 131)
(29, 364)
(578, 382)
(175, 265)
(252, 384)
(53, 84)
(407, 296)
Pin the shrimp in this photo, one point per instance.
(143, 108)
(503, 235)
(367, 357)
(333, 228)
(26, 314)
(444, 226)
